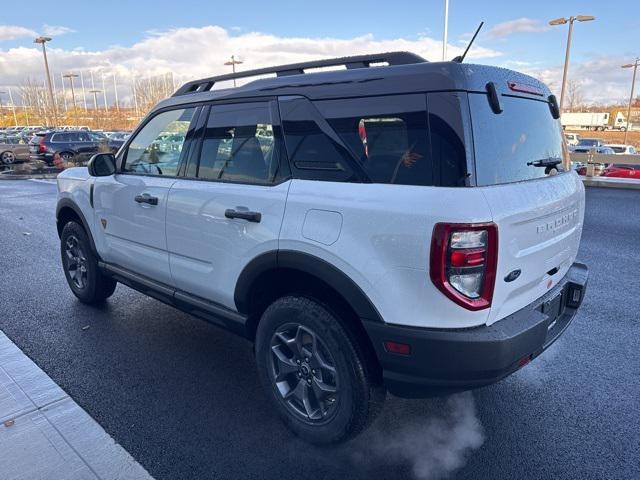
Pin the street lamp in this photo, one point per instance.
(95, 97)
(633, 65)
(71, 76)
(562, 21)
(42, 41)
(233, 62)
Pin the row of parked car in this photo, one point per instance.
(612, 169)
(20, 144)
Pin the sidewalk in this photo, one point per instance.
(45, 435)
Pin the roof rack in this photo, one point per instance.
(358, 61)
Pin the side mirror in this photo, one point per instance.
(102, 165)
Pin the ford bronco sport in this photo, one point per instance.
(393, 225)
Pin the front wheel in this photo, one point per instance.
(314, 371)
(80, 266)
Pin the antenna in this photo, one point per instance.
(460, 58)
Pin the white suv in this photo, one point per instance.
(406, 227)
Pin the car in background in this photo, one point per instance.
(572, 138)
(13, 149)
(621, 149)
(619, 170)
(78, 145)
(73, 127)
(602, 150)
(589, 142)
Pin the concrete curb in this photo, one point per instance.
(45, 434)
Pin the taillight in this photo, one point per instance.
(41, 146)
(463, 262)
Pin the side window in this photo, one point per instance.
(447, 139)
(156, 149)
(60, 137)
(314, 154)
(242, 143)
(388, 134)
(81, 137)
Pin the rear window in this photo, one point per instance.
(504, 143)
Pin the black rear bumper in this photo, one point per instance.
(448, 360)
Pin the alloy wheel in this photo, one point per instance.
(76, 262)
(304, 373)
(8, 158)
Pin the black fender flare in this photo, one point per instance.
(310, 264)
(70, 204)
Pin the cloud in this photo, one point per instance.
(601, 79)
(10, 32)
(200, 52)
(55, 30)
(519, 25)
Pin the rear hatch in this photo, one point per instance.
(539, 212)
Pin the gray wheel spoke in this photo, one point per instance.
(322, 389)
(286, 365)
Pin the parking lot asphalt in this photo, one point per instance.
(183, 398)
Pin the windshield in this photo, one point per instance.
(520, 143)
(588, 142)
(618, 149)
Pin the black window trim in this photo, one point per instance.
(324, 126)
(198, 140)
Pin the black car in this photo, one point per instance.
(70, 145)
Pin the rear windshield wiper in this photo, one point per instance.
(546, 162)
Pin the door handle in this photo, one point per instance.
(243, 214)
(146, 198)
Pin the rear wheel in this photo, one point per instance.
(66, 156)
(80, 265)
(8, 158)
(315, 372)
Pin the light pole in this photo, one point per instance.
(71, 76)
(95, 92)
(42, 41)
(633, 65)
(13, 108)
(446, 30)
(1, 106)
(233, 62)
(562, 21)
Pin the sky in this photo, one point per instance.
(193, 39)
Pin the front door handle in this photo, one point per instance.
(243, 214)
(146, 198)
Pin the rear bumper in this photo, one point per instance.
(446, 360)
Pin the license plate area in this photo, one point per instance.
(554, 308)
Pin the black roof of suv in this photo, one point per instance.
(364, 75)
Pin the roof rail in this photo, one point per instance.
(358, 61)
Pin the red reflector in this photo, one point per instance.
(523, 361)
(524, 88)
(467, 258)
(398, 348)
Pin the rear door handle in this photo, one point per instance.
(146, 198)
(243, 214)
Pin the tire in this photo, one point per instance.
(66, 156)
(623, 129)
(8, 158)
(304, 345)
(80, 266)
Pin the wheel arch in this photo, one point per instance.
(67, 211)
(286, 262)
(278, 273)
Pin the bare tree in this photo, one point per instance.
(150, 90)
(575, 98)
